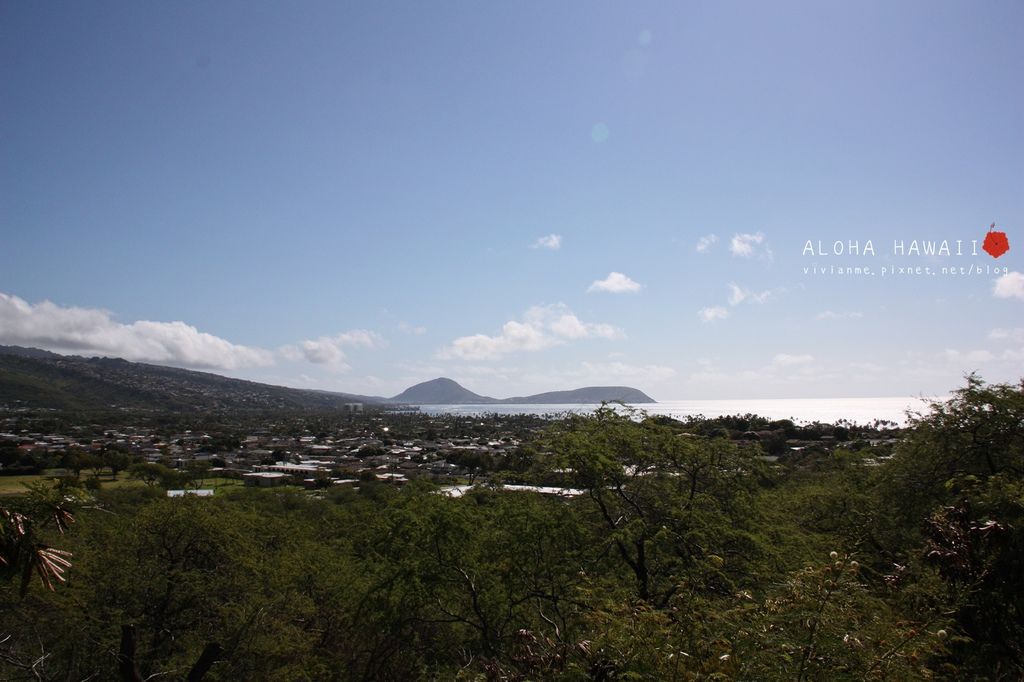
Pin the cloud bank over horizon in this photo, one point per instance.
(996, 352)
(541, 327)
(76, 330)
(329, 350)
(357, 214)
(73, 329)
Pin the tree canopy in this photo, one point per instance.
(672, 552)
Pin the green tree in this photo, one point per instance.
(75, 460)
(825, 623)
(665, 501)
(978, 432)
(116, 461)
(149, 473)
(959, 475)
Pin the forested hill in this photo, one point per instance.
(41, 379)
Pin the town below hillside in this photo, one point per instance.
(317, 450)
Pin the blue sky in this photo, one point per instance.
(355, 196)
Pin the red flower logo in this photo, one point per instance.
(996, 243)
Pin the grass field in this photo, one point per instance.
(14, 485)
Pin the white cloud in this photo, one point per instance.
(541, 327)
(615, 283)
(952, 355)
(829, 315)
(627, 373)
(714, 313)
(866, 367)
(568, 326)
(1013, 355)
(329, 350)
(89, 330)
(502, 373)
(745, 244)
(787, 360)
(597, 374)
(592, 374)
(360, 338)
(1010, 285)
(705, 243)
(784, 370)
(552, 242)
(738, 294)
(1016, 335)
(414, 330)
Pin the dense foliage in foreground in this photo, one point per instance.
(686, 557)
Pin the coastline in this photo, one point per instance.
(800, 410)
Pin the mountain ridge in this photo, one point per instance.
(45, 379)
(72, 382)
(440, 391)
(444, 391)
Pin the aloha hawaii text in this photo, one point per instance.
(900, 247)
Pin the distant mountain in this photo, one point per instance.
(39, 378)
(439, 392)
(590, 394)
(447, 392)
(28, 352)
(42, 379)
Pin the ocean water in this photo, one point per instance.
(800, 410)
